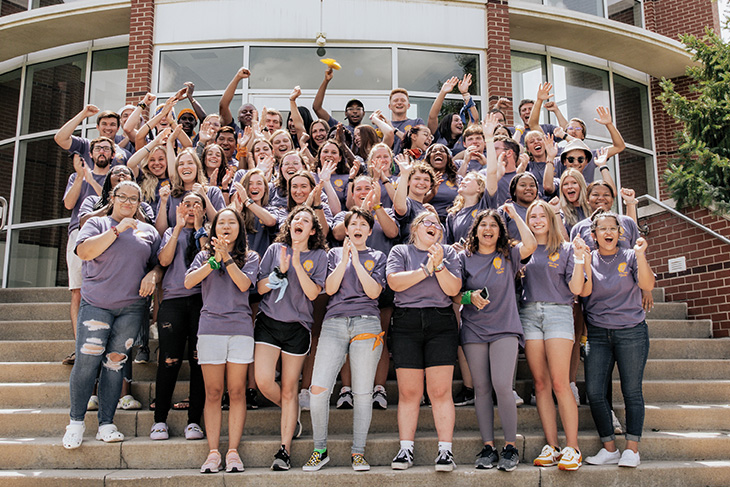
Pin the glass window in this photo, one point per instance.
(420, 106)
(109, 78)
(593, 7)
(43, 171)
(528, 71)
(578, 91)
(637, 172)
(428, 70)
(47, 3)
(632, 111)
(209, 69)
(625, 11)
(54, 93)
(9, 100)
(286, 67)
(6, 169)
(10, 7)
(38, 257)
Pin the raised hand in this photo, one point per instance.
(559, 132)
(243, 73)
(180, 216)
(296, 92)
(543, 91)
(629, 196)
(148, 99)
(284, 260)
(464, 84)
(604, 116)
(126, 224)
(555, 204)
(641, 246)
(79, 166)
(551, 148)
(328, 74)
(510, 210)
(325, 172)
(189, 89)
(181, 93)
(449, 84)
(90, 110)
(601, 157)
(490, 124)
(164, 194)
(404, 164)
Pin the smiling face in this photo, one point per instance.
(457, 126)
(107, 127)
(282, 144)
(570, 189)
(358, 230)
(525, 191)
(261, 151)
(157, 163)
(186, 168)
(330, 153)
(119, 174)
(476, 140)
(421, 139)
(245, 114)
(290, 165)
(607, 232)
(469, 186)
(535, 145)
(574, 129)
(399, 104)
(525, 111)
(538, 220)
(256, 187)
(419, 184)
(227, 226)
(213, 158)
(381, 156)
(576, 159)
(302, 227)
(227, 141)
(428, 231)
(438, 157)
(354, 114)
(488, 234)
(319, 133)
(361, 189)
(126, 201)
(300, 187)
(600, 197)
(188, 122)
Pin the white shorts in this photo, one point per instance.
(73, 261)
(219, 349)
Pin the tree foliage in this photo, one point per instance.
(700, 174)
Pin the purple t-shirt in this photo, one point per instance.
(173, 281)
(214, 195)
(88, 206)
(547, 277)
(538, 170)
(445, 196)
(500, 318)
(427, 293)
(86, 191)
(404, 126)
(413, 209)
(83, 147)
(615, 302)
(514, 231)
(276, 198)
(626, 240)
(111, 280)
(225, 308)
(384, 196)
(350, 299)
(377, 240)
(295, 306)
(260, 240)
(459, 223)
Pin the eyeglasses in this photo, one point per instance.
(354, 109)
(124, 199)
(429, 223)
(121, 174)
(99, 148)
(607, 229)
(577, 129)
(579, 160)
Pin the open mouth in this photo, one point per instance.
(357, 234)
(431, 232)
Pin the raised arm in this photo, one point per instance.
(227, 97)
(433, 114)
(296, 117)
(617, 142)
(63, 136)
(493, 165)
(132, 123)
(543, 94)
(319, 97)
(72, 195)
(197, 107)
(400, 205)
(646, 279)
(379, 120)
(464, 85)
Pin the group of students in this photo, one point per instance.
(320, 250)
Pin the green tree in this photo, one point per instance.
(700, 174)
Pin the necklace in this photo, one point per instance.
(604, 260)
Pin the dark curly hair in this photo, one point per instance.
(240, 246)
(450, 170)
(315, 242)
(106, 189)
(503, 242)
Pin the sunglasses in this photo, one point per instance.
(579, 160)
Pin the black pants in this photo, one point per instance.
(177, 323)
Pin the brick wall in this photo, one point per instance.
(499, 65)
(141, 29)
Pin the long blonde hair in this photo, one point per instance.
(248, 216)
(459, 200)
(555, 238)
(570, 212)
(178, 188)
(149, 180)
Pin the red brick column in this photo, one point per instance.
(499, 65)
(141, 28)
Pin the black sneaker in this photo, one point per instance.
(510, 459)
(143, 356)
(445, 461)
(281, 460)
(225, 402)
(402, 460)
(251, 402)
(465, 397)
(487, 458)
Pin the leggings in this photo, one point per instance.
(177, 322)
(492, 366)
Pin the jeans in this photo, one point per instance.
(177, 322)
(334, 345)
(629, 348)
(100, 333)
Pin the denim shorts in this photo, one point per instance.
(219, 349)
(543, 321)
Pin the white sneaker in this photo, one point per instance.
(576, 395)
(604, 457)
(616, 424)
(93, 404)
(518, 400)
(304, 399)
(629, 459)
(74, 436)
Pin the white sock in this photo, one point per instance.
(406, 445)
(444, 445)
(76, 423)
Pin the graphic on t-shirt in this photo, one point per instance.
(497, 263)
(368, 265)
(622, 269)
(474, 213)
(308, 265)
(338, 183)
(450, 184)
(554, 257)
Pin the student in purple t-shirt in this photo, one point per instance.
(178, 318)
(380, 166)
(415, 181)
(333, 169)
(292, 274)
(425, 336)
(523, 190)
(251, 200)
(573, 198)
(442, 196)
(617, 333)
(490, 326)
(291, 163)
(553, 275)
(302, 190)
(351, 327)
(226, 270)
(117, 251)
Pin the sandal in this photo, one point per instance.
(70, 359)
(153, 404)
(233, 462)
(212, 463)
(108, 433)
(74, 436)
(182, 405)
(128, 402)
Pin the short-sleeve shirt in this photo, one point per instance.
(547, 277)
(427, 293)
(295, 306)
(404, 126)
(377, 240)
(413, 209)
(500, 318)
(459, 223)
(173, 283)
(112, 279)
(82, 145)
(226, 310)
(512, 228)
(214, 195)
(350, 299)
(86, 190)
(445, 195)
(626, 240)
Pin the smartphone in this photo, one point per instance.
(484, 293)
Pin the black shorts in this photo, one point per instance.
(424, 337)
(385, 300)
(290, 338)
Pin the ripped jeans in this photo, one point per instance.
(100, 333)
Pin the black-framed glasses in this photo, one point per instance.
(99, 148)
(124, 199)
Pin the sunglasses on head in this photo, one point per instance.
(579, 160)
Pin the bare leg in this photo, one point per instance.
(438, 383)
(213, 377)
(236, 374)
(410, 391)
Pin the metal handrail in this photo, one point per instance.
(689, 220)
